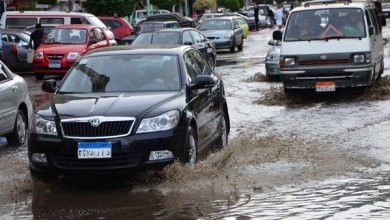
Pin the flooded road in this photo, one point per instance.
(304, 157)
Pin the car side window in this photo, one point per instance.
(235, 23)
(92, 35)
(196, 36)
(368, 19)
(3, 74)
(374, 20)
(191, 67)
(99, 34)
(202, 37)
(203, 67)
(187, 37)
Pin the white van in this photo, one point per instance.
(328, 44)
(23, 19)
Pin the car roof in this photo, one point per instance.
(159, 22)
(221, 18)
(47, 13)
(83, 26)
(166, 49)
(323, 4)
(174, 29)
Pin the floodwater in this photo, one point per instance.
(308, 156)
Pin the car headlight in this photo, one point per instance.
(38, 55)
(73, 56)
(362, 58)
(43, 126)
(162, 122)
(289, 61)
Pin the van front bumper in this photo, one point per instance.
(352, 76)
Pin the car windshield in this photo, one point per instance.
(66, 36)
(123, 73)
(219, 24)
(323, 24)
(158, 38)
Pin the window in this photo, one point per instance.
(375, 20)
(20, 23)
(112, 24)
(187, 37)
(10, 38)
(196, 36)
(204, 68)
(52, 21)
(99, 34)
(3, 74)
(191, 66)
(79, 21)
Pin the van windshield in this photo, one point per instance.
(323, 24)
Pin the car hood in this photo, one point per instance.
(119, 105)
(62, 48)
(217, 33)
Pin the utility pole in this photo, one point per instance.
(148, 8)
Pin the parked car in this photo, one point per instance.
(14, 48)
(328, 45)
(263, 10)
(140, 15)
(185, 36)
(46, 28)
(23, 19)
(119, 26)
(225, 32)
(182, 20)
(386, 9)
(272, 60)
(64, 46)
(15, 107)
(104, 118)
(148, 26)
(249, 21)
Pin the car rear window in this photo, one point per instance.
(123, 73)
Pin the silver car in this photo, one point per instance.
(272, 60)
(15, 107)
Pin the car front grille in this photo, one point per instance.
(105, 128)
(119, 160)
(55, 56)
(323, 62)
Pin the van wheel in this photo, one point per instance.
(381, 70)
(20, 133)
(233, 48)
(239, 47)
(38, 76)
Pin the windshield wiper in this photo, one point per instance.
(338, 37)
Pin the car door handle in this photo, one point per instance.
(14, 88)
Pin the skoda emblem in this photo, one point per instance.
(323, 57)
(95, 122)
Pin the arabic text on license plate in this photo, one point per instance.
(54, 64)
(325, 86)
(94, 150)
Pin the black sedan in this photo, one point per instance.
(185, 36)
(123, 108)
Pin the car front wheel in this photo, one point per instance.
(191, 148)
(19, 135)
(223, 132)
(241, 46)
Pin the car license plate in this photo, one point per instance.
(54, 64)
(94, 150)
(325, 86)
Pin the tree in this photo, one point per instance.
(110, 7)
(166, 4)
(233, 5)
(202, 5)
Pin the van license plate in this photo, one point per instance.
(54, 64)
(325, 86)
(94, 150)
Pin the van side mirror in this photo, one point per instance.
(49, 85)
(277, 35)
(237, 27)
(371, 30)
(274, 43)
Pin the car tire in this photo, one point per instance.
(20, 133)
(190, 155)
(381, 70)
(241, 46)
(38, 76)
(233, 48)
(222, 140)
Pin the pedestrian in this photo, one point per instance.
(270, 17)
(36, 37)
(279, 16)
(256, 13)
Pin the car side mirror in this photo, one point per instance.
(274, 43)
(203, 81)
(237, 27)
(189, 43)
(49, 85)
(371, 30)
(277, 35)
(25, 45)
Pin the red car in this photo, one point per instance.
(64, 45)
(119, 26)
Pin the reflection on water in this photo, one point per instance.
(365, 197)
